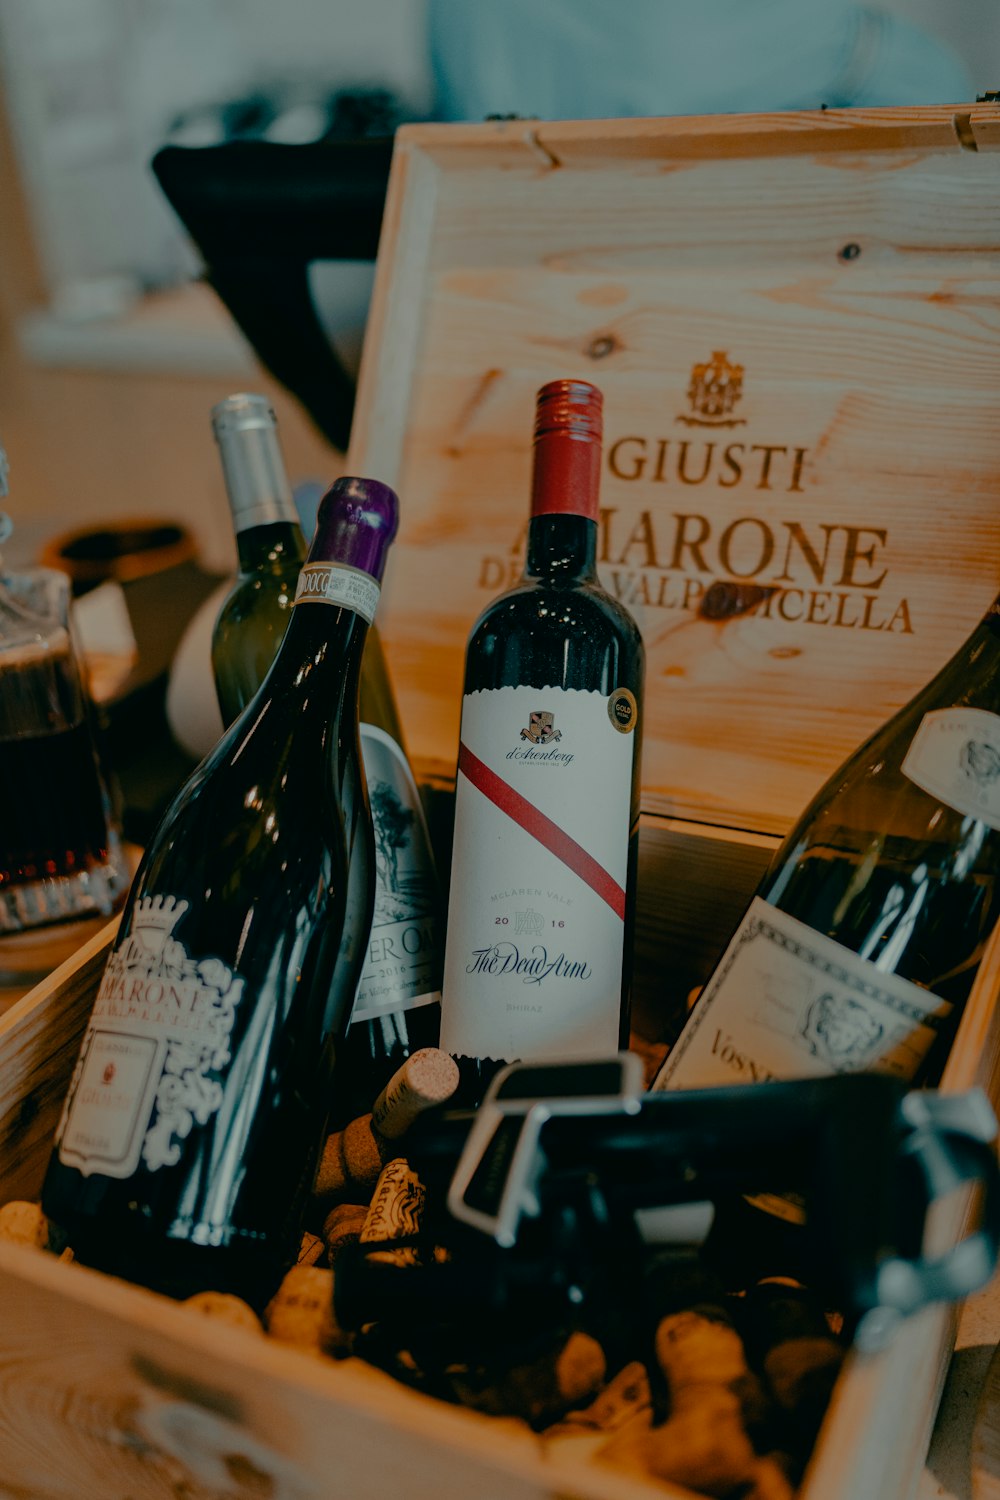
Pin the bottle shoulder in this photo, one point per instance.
(265, 595)
(538, 605)
(263, 798)
(573, 638)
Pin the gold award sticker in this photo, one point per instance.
(623, 710)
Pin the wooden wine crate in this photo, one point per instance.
(837, 274)
(110, 1392)
(795, 322)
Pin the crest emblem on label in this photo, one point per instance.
(841, 1032)
(157, 1041)
(955, 757)
(714, 389)
(541, 729)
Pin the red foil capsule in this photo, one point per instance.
(567, 464)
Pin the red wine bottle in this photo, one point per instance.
(199, 1103)
(539, 941)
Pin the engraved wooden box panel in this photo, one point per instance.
(795, 321)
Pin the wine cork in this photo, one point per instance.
(545, 1388)
(352, 1159)
(24, 1223)
(427, 1078)
(703, 1445)
(343, 1226)
(331, 1175)
(365, 1153)
(696, 1341)
(395, 1211)
(695, 1351)
(311, 1250)
(301, 1313)
(221, 1307)
(579, 1369)
(771, 1479)
(624, 1400)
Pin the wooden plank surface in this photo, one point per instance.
(694, 883)
(107, 1391)
(857, 291)
(697, 137)
(39, 1040)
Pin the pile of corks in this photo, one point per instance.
(727, 1397)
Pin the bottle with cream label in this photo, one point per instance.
(538, 946)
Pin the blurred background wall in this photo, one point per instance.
(111, 353)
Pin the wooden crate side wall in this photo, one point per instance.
(39, 1042)
(879, 1399)
(106, 1389)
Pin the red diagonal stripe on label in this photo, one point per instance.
(542, 828)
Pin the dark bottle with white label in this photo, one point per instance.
(199, 1103)
(398, 1007)
(864, 939)
(538, 951)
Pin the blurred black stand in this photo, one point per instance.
(260, 212)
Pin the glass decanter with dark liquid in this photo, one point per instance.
(60, 854)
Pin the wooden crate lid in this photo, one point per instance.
(795, 321)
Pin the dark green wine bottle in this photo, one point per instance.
(194, 1120)
(398, 1008)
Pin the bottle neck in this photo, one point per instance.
(972, 676)
(320, 657)
(260, 548)
(562, 549)
(562, 533)
(254, 472)
(338, 586)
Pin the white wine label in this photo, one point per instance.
(533, 957)
(955, 756)
(401, 970)
(157, 1039)
(788, 1002)
(339, 584)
